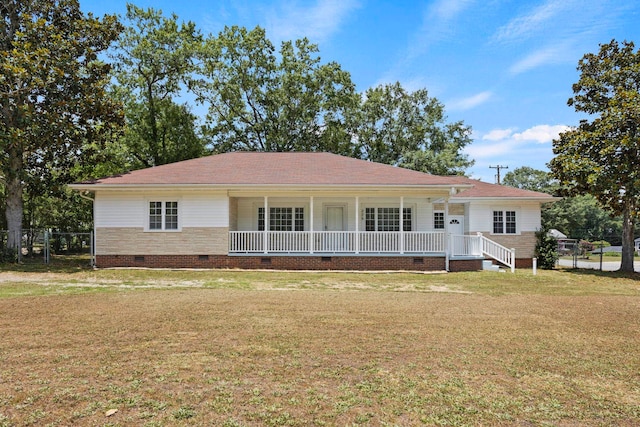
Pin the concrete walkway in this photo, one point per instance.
(595, 265)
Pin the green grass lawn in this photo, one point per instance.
(235, 348)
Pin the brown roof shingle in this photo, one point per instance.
(294, 168)
(299, 168)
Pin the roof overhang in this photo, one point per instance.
(506, 199)
(240, 189)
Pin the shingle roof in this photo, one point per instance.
(298, 168)
(291, 168)
(482, 189)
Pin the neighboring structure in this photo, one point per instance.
(308, 211)
(636, 244)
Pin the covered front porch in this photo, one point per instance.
(359, 225)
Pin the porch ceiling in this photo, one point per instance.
(437, 192)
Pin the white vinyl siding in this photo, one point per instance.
(132, 209)
(480, 216)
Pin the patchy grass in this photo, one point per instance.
(235, 348)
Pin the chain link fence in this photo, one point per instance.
(46, 246)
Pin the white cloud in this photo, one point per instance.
(533, 22)
(498, 134)
(490, 150)
(289, 20)
(541, 133)
(448, 9)
(553, 54)
(469, 102)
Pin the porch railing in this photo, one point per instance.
(498, 252)
(368, 242)
(465, 245)
(350, 242)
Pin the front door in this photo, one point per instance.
(334, 223)
(456, 229)
(335, 218)
(456, 224)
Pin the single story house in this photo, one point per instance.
(303, 210)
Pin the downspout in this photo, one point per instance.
(93, 234)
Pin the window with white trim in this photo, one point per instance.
(438, 220)
(387, 219)
(504, 222)
(282, 219)
(163, 215)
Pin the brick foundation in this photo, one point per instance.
(456, 265)
(363, 263)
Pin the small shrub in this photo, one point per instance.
(8, 255)
(546, 249)
(600, 243)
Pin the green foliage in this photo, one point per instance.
(581, 217)
(528, 178)
(154, 60)
(409, 129)
(546, 249)
(262, 101)
(54, 105)
(602, 155)
(8, 255)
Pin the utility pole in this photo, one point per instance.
(498, 167)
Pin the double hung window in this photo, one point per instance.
(504, 222)
(438, 220)
(163, 215)
(387, 219)
(282, 219)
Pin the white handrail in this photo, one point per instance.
(498, 252)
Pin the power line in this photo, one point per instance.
(498, 167)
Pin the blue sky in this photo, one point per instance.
(504, 67)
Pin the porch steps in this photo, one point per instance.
(488, 265)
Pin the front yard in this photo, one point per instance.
(274, 348)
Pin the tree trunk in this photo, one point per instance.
(14, 211)
(627, 241)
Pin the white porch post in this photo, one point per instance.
(266, 225)
(311, 224)
(447, 243)
(401, 225)
(357, 242)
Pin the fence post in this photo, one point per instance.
(513, 260)
(535, 266)
(19, 245)
(47, 248)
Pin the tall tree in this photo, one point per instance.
(581, 217)
(155, 61)
(409, 129)
(602, 155)
(260, 100)
(528, 178)
(52, 92)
